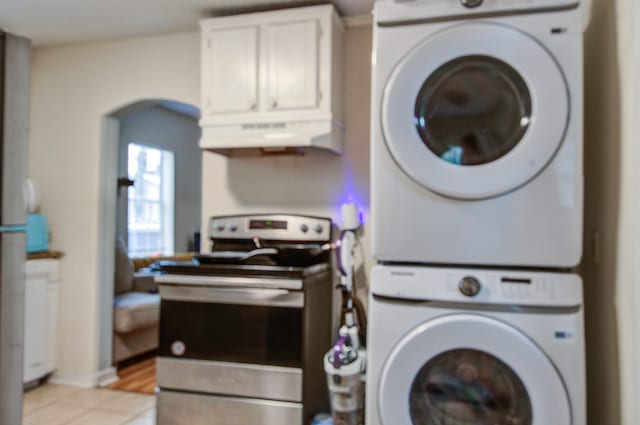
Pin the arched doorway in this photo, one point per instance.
(151, 126)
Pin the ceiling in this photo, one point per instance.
(55, 22)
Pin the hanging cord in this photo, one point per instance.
(352, 303)
(361, 311)
(361, 317)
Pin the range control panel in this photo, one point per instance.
(280, 227)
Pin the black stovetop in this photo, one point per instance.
(255, 270)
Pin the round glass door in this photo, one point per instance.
(469, 116)
(468, 387)
(473, 110)
(468, 369)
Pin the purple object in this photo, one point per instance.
(337, 349)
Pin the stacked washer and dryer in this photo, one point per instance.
(476, 313)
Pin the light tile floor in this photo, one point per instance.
(53, 404)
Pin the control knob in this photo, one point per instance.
(233, 227)
(220, 227)
(304, 228)
(319, 228)
(469, 286)
(471, 3)
(178, 348)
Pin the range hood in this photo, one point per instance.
(280, 138)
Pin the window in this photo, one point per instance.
(151, 201)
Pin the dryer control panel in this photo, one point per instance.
(478, 286)
(397, 12)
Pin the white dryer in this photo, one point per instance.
(476, 133)
(469, 347)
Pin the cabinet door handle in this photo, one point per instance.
(253, 107)
(274, 104)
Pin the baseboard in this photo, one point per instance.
(107, 376)
(99, 379)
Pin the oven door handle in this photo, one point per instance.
(242, 296)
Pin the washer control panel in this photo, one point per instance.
(281, 227)
(483, 286)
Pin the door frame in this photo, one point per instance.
(107, 199)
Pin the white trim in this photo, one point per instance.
(107, 377)
(635, 55)
(109, 145)
(91, 380)
(634, 129)
(358, 21)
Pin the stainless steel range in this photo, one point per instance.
(243, 329)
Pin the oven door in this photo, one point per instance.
(231, 341)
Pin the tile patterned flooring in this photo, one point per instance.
(53, 404)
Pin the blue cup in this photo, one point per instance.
(322, 419)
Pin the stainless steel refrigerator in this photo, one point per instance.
(15, 71)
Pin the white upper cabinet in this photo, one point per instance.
(231, 80)
(292, 65)
(272, 80)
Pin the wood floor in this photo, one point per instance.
(139, 377)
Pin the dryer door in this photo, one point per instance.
(470, 370)
(475, 111)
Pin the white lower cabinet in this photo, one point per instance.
(41, 318)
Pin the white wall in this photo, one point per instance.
(73, 88)
(158, 127)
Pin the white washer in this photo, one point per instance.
(512, 354)
(477, 132)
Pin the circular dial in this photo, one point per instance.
(471, 3)
(469, 286)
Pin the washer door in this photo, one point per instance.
(470, 370)
(475, 111)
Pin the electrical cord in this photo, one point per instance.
(357, 307)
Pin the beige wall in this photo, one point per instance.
(628, 260)
(611, 234)
(73, 87)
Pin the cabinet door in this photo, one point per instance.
(35, 327)
(292, 65)
(52, 327)
(230, 82)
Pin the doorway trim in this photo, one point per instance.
(107, 199)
